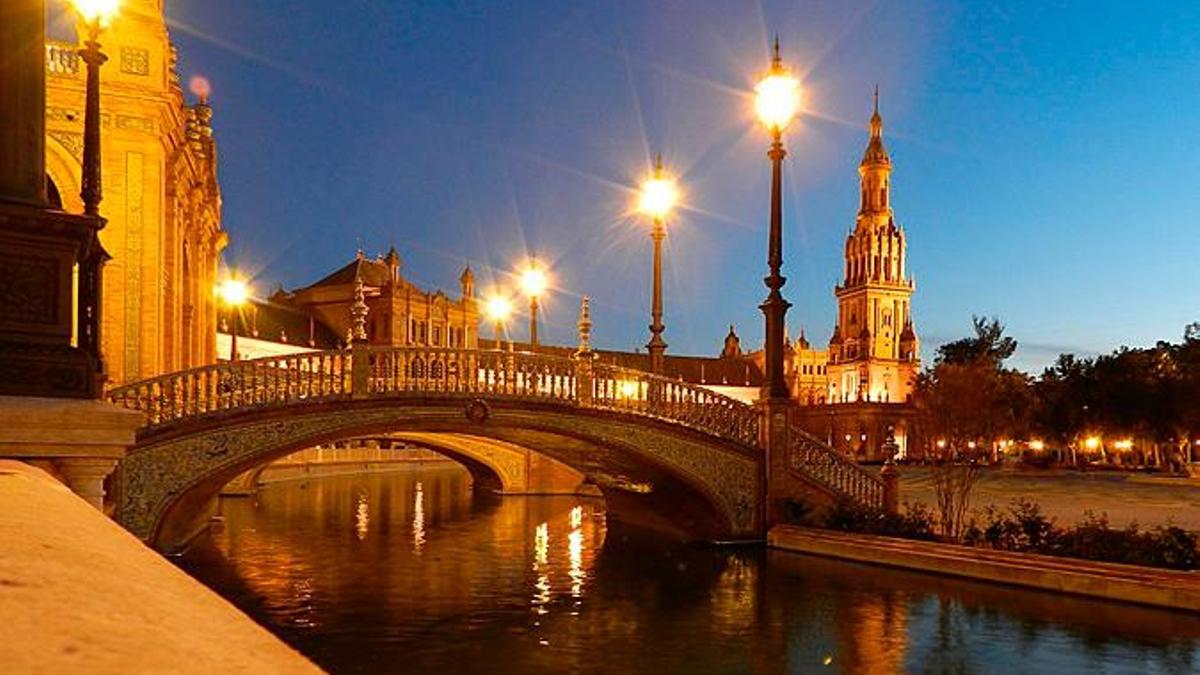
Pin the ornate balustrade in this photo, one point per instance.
(618, 388)
(470, 374)
(62, 58)
(838, 473)
(399, 371)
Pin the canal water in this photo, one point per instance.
(408, 572)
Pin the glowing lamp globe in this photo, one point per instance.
(533, 280)
(658, 196)
(498, 308)
(233, 292)
(777, 99)
(97, 12)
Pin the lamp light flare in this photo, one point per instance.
(777, 98)
(534, 280)
(233, 292)
(200, 87)
(1037, 445)
(659, 193)
(1092, 442)
(97, 12)
(498, 308)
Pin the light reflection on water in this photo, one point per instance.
(409, 572)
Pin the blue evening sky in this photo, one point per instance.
(1045, 153)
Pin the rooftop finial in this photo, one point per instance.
(658, 166)
(876, 98)
(776, 59)
(358, 311)
(585, 328)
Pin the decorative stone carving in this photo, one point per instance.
(135, 61)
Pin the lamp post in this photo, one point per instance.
(657, 197)
(233, 293)
(533, 282)
(96, 15)
(777, 101)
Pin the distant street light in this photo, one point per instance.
(233, 293)
(534, 281)
(657, 197)
(97, 15)
(777, 101)
(498, 308)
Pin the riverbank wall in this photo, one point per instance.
(1124, 583)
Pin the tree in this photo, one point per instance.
(989, 345)
(968, 396)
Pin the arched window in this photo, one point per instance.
(436, 370)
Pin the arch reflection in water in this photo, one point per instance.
(465, 603)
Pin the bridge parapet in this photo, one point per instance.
(405, 371)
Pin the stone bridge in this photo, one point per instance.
(666, 454)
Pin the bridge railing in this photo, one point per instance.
(395, 371)
(470, 372)
(617, 388)
(244, 384)
(818, 462)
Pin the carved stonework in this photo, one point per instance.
(135, 61)
(70, 140)
(135, 123)
(134, 218)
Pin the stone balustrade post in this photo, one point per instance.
(360, 369)
(890, 474)
(891, 487)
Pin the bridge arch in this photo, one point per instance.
(671, 479)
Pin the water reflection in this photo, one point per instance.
(362, 517)
(418, 520)
(364, 574)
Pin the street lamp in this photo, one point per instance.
(777, 101)
(96, 15)
(498, 308)
(233, 293)
(657, 197)
(533, 282)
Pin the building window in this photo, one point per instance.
(437, 336)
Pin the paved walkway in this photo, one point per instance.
(1067, 495)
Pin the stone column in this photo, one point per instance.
(85, 476)
(23, 101)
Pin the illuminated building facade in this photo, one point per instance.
(161, 196)
(318, 316)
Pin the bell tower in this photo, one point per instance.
(874, 350)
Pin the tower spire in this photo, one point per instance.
(775, 59)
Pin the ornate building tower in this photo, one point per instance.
(873, 354)
(161, 196)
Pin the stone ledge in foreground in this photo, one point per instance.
(1109, 581)
(78, 594)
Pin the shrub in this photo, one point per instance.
(915, 522)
